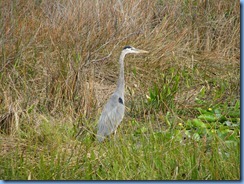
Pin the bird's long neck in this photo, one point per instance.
(121, 81)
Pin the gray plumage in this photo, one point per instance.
(113, 111)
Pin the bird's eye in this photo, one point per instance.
(120, 101)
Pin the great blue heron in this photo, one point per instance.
(113, 111)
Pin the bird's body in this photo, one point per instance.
(112, 114)
(113, 111)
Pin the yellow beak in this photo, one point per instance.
(141, 51)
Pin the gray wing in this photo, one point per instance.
(112, 115)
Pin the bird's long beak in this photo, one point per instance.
(141, 51)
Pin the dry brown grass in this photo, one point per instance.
(60, 57)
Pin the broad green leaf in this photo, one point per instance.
(208, 117)
(198, 123)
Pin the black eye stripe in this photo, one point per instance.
(127, 47)
(120, 100)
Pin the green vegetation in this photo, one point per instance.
(58, 66)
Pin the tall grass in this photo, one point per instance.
(58, 66)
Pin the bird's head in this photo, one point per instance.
(130, 49)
